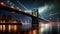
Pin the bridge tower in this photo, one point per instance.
(35, 21)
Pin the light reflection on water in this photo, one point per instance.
(49, 28)
(14, 27)
(0, 27)
(26, 26)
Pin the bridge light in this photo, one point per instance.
(34, 15)
(12, 7)
(17, 7)
(2, 3)
(20, 10)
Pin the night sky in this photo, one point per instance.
(48, 9)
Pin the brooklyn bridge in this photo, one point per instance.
(37, 25)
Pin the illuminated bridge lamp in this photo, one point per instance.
(2, 3)
(34, 15)
(12, 7)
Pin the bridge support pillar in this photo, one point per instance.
(35, 24)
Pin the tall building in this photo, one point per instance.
(6, 18)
